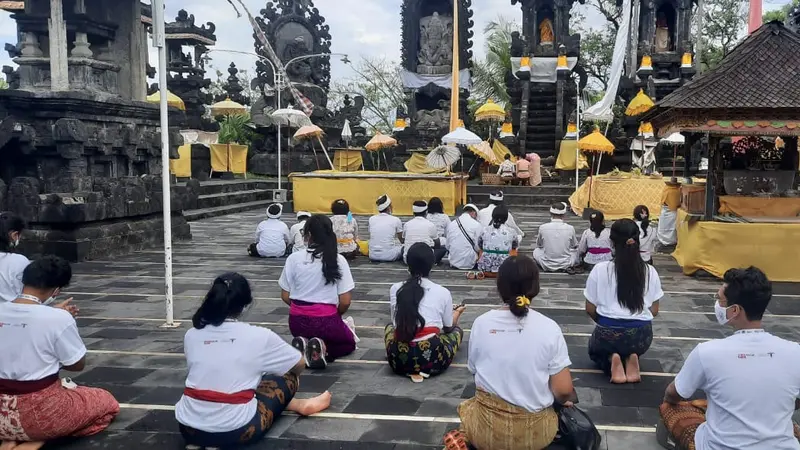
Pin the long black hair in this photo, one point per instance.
(630, 269)
(340, 207)
(499, 216)
(435, 206)
(406, 316)
(642, 214)
(517, 277)
(322, 244)
(9, 223)
(229, 295)
(597, 223)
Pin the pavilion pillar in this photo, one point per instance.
(57, 28)
(711, 178)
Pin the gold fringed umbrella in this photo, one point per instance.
(228, 107)
(379, 142)
(311, 132)
(639, 105)
(484, 150)
(172, 100)
(490, 111)
(596, 143)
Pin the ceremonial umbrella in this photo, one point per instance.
(483, 150)
(462, 136)
(311, 132)
(675, 139)
(442, 157)
(595, 142)
(347, 136)
(379, 142)
(228, 107)
(172, 100)
(291, 118)
(639, 105)
(490, 111)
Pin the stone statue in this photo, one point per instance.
(435, 48)
(298, 71)
(546, 35)
(517, 45)
(662, 39)
(434, 119)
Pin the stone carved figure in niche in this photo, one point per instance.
(662, 39)
(435, 49)
(434, 119)
(546, 35)
(299, 71)
(517, 44)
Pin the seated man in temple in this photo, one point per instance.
(385, 233)
(36, 341)
(751, 379)
(556, 245)
(507, 170)
(273, 239)
(420, 229)
(462, 242)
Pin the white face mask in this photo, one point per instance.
(721, 313)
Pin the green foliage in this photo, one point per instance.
(236, 129)
(782, 13)
(489, 75)
(377, 80)
(723, 26)
(597, 51)
(3, 84)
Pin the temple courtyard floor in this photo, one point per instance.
(140, 362)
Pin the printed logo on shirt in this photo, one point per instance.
(224, 341)
(18, 325)
(756, 355)
(495, 331)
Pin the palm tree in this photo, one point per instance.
(489, 75)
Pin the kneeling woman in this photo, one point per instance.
(317, 285)
(622, 298)
(521, 367)
(424, 336)
(241, 377)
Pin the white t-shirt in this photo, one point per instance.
(601, 291)
(751, 380)
(441, 221)
(647, 243)
(419, 229)
(436, 306)
(36, 341)
(11, 267)
(272, 237)
(302, 278)
(229, 358)
(590, 240)
(383, 243)
(515, 358)
(299, 241)
(463, 254)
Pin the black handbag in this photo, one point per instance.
(576, 431)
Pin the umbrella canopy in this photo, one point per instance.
(380, 141)
(639, 105)
(172, 100)
(462, 136)
(646, 130)
(308, 132)
(347, 134)
(442, 157)
(228, 107)
(507, 130)
(291, 117)
(674, 139)
(490, 111)
(596, 142)
(483, 150)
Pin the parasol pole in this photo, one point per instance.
(600, 160)
(319, 138)
(454, 86)
(578, 134)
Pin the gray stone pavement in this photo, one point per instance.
(132, 355)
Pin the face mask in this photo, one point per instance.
(721, 313)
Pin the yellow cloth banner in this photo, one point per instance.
(717, 246)
(417, 164)
(617, 197)
(347, 160)
(182, 167)
(566, 156)
(315, 194)
(500, 151)
(225, 160)
(759, 207)
(671, 196)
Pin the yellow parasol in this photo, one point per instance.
(311, 132)
(172, 100)
(639, 105)
(484, 150)
(490, 111)
(596, 142)
(228, 107)
(380, 141)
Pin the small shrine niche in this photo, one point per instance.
(545, 33)
(664, 39)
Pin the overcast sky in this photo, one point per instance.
(358, 27)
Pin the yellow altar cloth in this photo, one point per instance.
(759, 206)
(182, 167)
(316, 191)
(229, 158)
(417, 164)
(566, 156)
(617, 197)
(347, 160)
(500, 151)
(718, 246)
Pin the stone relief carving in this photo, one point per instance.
(435, 49)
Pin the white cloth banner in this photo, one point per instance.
(413, 80)
(200, 137)
(543, 69)
(644, 153)
(603, 110)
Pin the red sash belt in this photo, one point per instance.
(422, 332)
(14, 387)
(236, 398)
(599, 250)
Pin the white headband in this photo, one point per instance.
(275, 216)
(419, 209)
(471, 206)
(385, 204)
(303, 213)
(498, 197)
(559, 212)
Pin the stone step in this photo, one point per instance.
(512, 199)
(523, 190)
(232, 198)
(537, 120)
(206, 213)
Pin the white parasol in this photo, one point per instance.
(462, 136)
(347, 134)
(291, 117)
(442, 157)
(674, 139)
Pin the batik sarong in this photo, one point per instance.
(318, 320)
(624, 341)
(431, 356)
(490, 422)
(273, 395)
(56, 412)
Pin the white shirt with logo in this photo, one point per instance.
(601, 291)
(299, 241)
(436, 306)
(302, 278)
(11, 267)
(419, 229)
(36, 341)
(228, 359)
(515, 358)
(383, 243)
(751, 380)
(463, 254)
(272, 238)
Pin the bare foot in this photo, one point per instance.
(29, 445)
(632, 374)
(458, 312)
(307, 407)
(8, 445)
(617, 370)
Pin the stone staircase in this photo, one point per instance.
(541, 135)
(535, 198)
(222, 197)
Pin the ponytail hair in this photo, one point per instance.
(518, 284)
(9, 223)
(631, 271)
(642, 214)
(407, 318)
(229, 295)
(322, 244)
(597, 223)
(499, 216)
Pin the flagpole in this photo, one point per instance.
(454, 88)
